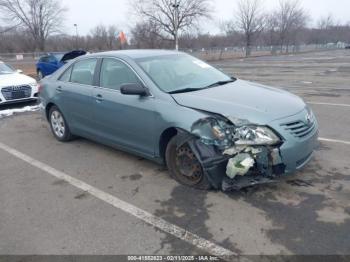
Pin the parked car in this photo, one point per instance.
(16, 87)
(347, 47)
(211, 130)
(51, 62)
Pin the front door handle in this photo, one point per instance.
(59, 89)
(99, 98)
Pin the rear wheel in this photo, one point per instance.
(184, 167)
(59, 125)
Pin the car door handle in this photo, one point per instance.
(99, 98)
(59, 89)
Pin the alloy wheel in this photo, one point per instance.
(57, 123)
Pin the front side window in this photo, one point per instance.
(176, 72)
(83, 72)
(115, 73)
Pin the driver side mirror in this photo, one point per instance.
(134, 89)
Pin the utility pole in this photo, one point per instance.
(76, 35)
(176, 15)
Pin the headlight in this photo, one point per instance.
(255, 135)
(220, 133)
(213, 131)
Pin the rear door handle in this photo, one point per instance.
(99, 98)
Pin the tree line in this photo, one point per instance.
(36, 25)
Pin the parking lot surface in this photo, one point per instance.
(308, 213)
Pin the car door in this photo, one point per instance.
(124, 120)
(75, 93)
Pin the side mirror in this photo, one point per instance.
(133, 89)
(19, 71)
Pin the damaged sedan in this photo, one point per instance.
(210, 129)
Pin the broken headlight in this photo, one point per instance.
(218, 132)
(214, 131)
(255, 135)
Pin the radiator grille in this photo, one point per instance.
(16, 92)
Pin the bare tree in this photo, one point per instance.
(325, 22)
(147, 35)
(112, 37)
(291, 17)
(172, 16)
(40, 18)
(99, 36)
(250, 20)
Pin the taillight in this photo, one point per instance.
(40, 87)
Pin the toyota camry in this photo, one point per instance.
(210, 129)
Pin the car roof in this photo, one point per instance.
(138, 53)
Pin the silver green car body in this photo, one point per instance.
(144, 124)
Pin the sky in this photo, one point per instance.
(87, 14)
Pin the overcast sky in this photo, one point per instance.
(88, 14)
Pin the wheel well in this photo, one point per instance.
(47, 109)
(164, 140)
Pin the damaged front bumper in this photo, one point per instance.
(241, 166)
(216, 166)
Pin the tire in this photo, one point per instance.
(184, 167)
(40, 75)
(59, 126)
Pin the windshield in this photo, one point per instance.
(58, 56)
(178, 72)
(6, 69)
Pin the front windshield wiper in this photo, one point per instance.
(221, 83)
(185, 90)
(190, 89)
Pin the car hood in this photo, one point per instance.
(15, 79)
(244, 100)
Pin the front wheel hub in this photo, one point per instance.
(187, 164)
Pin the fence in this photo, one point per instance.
(239, 52)
(210, 53)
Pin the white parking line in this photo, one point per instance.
(141, 214)
(334, 141)
(327, 104)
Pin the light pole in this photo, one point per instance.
(76, 35)
(176, 15)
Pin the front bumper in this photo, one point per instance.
(32, 96)
(296, 152)
(271, 163)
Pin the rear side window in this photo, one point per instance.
(65, 77)
(83, 72)
(115, 73)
